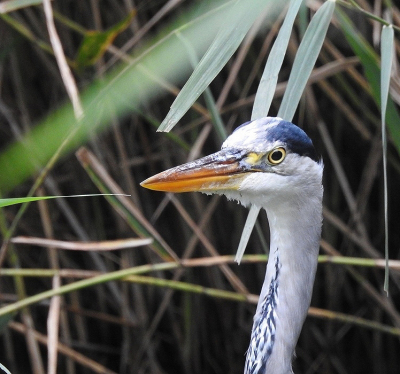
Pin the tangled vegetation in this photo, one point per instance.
(143, 282)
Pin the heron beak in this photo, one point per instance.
(223, 170)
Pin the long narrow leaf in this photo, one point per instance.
(304, 62)
(269, 79)
(305, 59)
(370, 62)
(11, 5)
(241, 16)
(263, 100)
(387, 40)
(208, 97)
(20, 200)
(248, 228)
(2, 367)
(124, 207)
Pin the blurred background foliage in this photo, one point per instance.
(134, 310)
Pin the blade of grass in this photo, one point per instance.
(248, 228)
(2, 367)
(229, 295)
(241, 16)
(18, 305)
(11, 5)
(269, 79)
(104, 245)
(66, 74)
(370, 62)
(27, 33)
(302, 67)
(123, 206)
(132, 274)
(387, 43)
(20, 200)
(263, 99)
(204, 262)
(306, 56)
(208, 97)
(91, 365)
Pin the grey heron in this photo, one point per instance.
(272, 164)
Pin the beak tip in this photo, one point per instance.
(153, 184)
(145, 183)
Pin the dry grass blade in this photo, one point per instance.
(230, 275)
(316, 312)
(11, 308)
(105, 245)
(357, 321)
(53, 322)
(207, 262)
(132, 275)
(66, 73)
(122, 205)
(73, 354)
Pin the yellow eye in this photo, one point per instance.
(276, 156)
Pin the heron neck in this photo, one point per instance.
(286, 293)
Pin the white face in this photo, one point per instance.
(294, 177)
(270, 180)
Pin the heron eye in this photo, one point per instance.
(276, 156)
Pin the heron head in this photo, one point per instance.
(262, 160)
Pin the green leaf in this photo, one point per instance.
(302, 67)
(21, 200)
(241, 16)
(370, 62)
(269, 79)
(387, 44)
(306, 56)
(263, 100)
(208, 97)
(95, 43)
(387, 40)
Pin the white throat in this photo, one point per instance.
(286, 293)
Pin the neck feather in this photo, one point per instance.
(286, 293)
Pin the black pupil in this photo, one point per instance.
(276, 155)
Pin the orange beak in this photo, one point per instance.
(223, 170)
